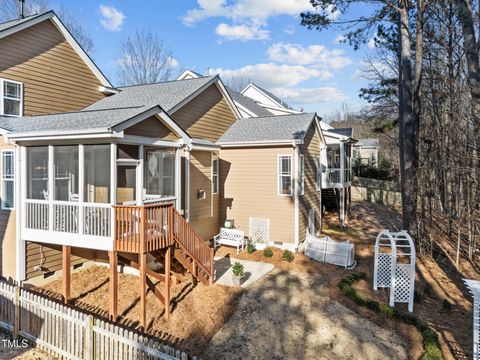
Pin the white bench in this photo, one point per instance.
(230, 237)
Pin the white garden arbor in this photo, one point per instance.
(474, 286)
(394, 266)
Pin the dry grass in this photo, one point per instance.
(444, 281)
(198, 311)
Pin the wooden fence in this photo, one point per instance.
(71, 334)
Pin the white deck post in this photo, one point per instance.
(81, 187)
(113, 185)
(178, 180)
(474, 287)
(140, 175)
(342, 182)
(20, 194)
(187, 184)
(51, 186)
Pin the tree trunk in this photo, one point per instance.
(408, 124)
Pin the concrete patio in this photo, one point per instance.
(254, 271)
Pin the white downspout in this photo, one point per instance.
(297, 195)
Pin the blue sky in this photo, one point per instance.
(260, 40)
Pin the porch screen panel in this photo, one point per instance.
(160, 172)
(66, 173)
(97, 173)
(37, 173)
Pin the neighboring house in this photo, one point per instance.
(267, 100)
(366, 152)
(269, 170)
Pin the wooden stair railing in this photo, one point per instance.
(191, 250)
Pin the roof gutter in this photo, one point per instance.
(262, 143)
(59, 135)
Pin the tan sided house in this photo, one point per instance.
(141, 175)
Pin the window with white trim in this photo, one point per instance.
(302, 174)
(11, 95)
(215, 176)
(285, 175)
(8, 179)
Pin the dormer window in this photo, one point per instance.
(11, 95)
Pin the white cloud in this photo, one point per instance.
(242, 32)
(303, 96)
(371, 43)
(171, 63)
(112, 19)
(315, 55)
(273, 75)
(290, 29)
(340, 39)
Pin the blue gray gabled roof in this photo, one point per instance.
(248, 103)
(11, 23)
(71, 121)
(281, 128)
(274, 97)
(367, 143)
(342, 131)
(166, 94)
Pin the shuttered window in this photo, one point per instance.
(8, 179)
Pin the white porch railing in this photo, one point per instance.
(332, 178)
(65, 217)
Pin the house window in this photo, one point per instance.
(302, 174)
(8, 179)
(37, 173)
(12, 97)
(215, 176)
(160, 172)
(285, 175)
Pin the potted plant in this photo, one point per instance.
(238, 273)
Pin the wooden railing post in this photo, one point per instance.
(142, 225)
(212, 266)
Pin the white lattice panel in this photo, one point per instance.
(384, 270)
(259, 230)
(402, 283)
(474, 287)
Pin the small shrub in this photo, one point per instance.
(417, 297)
(428, 290)
(288, 256)
(447, 305)
(250, 247)
(267, 252)
(238, 270)
(430, 338)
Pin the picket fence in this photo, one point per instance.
(70, 334)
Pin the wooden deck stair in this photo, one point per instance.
(330, 199)
(161, 231)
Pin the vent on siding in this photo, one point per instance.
(278, 243)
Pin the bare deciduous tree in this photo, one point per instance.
(144, 59)
(237, 83)
(10, 9)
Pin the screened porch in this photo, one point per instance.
(338, 172)
(71, 194)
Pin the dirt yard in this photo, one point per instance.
(290, 312)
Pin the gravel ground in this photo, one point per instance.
(286, 315)
(19, 352)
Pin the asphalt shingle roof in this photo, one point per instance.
(166, 94)
(248, 103)
(342, 131)
(367, 142)
(8, 24)
(95, 119)
(270, 128)
(274, 97)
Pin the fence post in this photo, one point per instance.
(16, 320)
(88, 351)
